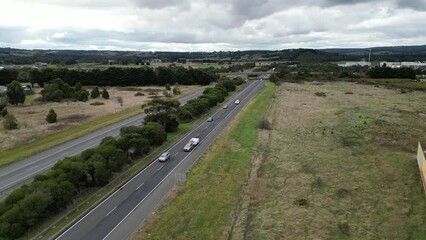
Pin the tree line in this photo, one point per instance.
(114, 76)
(53, 191)
(387, 72)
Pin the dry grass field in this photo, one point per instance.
(31, 116)
(339, 165)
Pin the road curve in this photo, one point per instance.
(23, 171)
(120, 213)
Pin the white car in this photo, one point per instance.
(188, 147)
(194, 141)
(164, 157)
(237, 102)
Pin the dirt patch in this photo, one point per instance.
(75, 118)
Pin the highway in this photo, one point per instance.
(23, 171)
(119, 215)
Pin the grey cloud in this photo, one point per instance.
(160, 4)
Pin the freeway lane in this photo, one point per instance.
(18, 173)
(113, 218)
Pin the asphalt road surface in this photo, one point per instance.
(18, 173)
(119, 215)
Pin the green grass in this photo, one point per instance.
(29, 99)
(13, 154)
(203, 210)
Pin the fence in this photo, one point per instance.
(421, 161)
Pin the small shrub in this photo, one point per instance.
(403, 91)
(343, 227)
(120, 100)
(139, 94)
(95, 93)
(176, 90)
(320, 94)
(10, 122)
(166, 93)
(318, 182)
(301, 202)
(51, 116)
(264, 124)
(343, 192)
(349, 92)
(97, 103)
(105, 94)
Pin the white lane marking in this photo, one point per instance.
(176, 154)
(160, 168)
(111, 211)
(140, 185)
(169, 174)
(198, 135)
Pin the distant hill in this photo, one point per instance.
(395, 53)
(68, 57)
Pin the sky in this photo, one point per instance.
(210, 25)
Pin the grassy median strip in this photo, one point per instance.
(203, 210)
(25, 150)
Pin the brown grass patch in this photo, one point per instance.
(34, 114)
(75, 118)
(339, 167)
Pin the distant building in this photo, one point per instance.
(28, 91)
(40, 64)
(414, 65)
(390, 64)
(351, 64)
(3, 90)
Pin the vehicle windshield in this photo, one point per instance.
(164, 155)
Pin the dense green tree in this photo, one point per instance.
(105, 94)
(183, 115)
(110, 140)
(167, 86)
(163, 111)
(131, 129)
(154, 132)
(4, 112)
(51, 116)
(82, 95)
(15, 93)
(95, 93)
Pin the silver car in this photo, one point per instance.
(188, 147)
(164, 157)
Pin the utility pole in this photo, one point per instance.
(369, 55)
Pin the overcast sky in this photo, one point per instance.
(210, 25)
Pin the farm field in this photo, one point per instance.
(338, 163)
(31, 116)
(339, 166)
